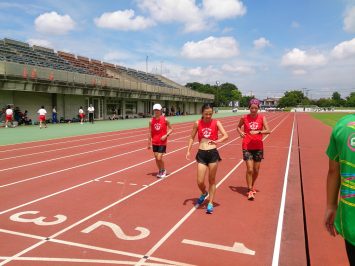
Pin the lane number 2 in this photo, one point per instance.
(144, 232)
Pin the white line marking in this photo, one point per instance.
(107, 181)
(120, 183)
(92, 136)
(113, 204)
(276, 255)
(78, 166)
(133, 184)
(97, 261)
(96, 248)
(179, 223)
(237, 247)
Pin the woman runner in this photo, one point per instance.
(207, 156)
(158, 134)
(255, 125)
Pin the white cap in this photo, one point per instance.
(157, 106)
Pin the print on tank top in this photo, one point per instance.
(206, 132)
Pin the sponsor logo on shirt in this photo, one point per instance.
(351, 141)
(157, 126)
(254, 125)
(206, 132)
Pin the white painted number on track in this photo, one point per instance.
(144, 232)
(237, 247)
(39, 220)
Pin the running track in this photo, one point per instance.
(95, 200)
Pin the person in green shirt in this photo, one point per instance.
(340, 211)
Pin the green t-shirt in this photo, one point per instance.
(342, 149)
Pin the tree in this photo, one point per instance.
(350, 100)
(244, 101)
(224, 94)
(293, 98)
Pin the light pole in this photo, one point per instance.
(217, 94)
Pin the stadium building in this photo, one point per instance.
(31, 76)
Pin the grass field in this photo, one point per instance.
(329, 119)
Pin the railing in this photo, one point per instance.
(30, 72)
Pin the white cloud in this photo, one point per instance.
(344, 49)
(194, 17)
(240, 69)
(117, 56)
(223, 9)
(211, 48)
(40, 42)
(261, 43)
(349, 20)
(297, 58)
(123, 20)
(299, 72)
(183, 11)
(53, 23)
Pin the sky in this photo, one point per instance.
(264, 47)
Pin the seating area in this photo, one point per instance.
(23, 53)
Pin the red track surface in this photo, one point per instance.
(106, 182)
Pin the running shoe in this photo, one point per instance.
(251, 195)
(159, 174)
(202, 198)
(163, 173)
(209, 208)
(254, 191)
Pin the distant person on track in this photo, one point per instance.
(81, 115)
(340, 211)
(42, 116)
(91, 111)
(255, 125)
(207, 156)
(159, 131)
(9, 114)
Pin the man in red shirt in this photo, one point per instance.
(157, 137)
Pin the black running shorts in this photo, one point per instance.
(208, 156)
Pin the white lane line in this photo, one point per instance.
(133, 184)
(89, 137)
(67, 148)
(121, 183)
(108, 181)
(179, 223)
(87, 152)
(99, 178)
(96, 213)
(80, 165)
(193, 209)
(78, 138)
(96, 248)
(237, 247)
(104, 209)
(70, 260)
(87, 144)
(77, 154)
(276, 254)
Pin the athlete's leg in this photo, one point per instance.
(256, 167)
(201, 173)
(212, 167)
(249, 173)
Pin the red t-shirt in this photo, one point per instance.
(253, 142)
(158, 129)
(207, 130)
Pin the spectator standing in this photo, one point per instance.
(54, 115)
(91, 111)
